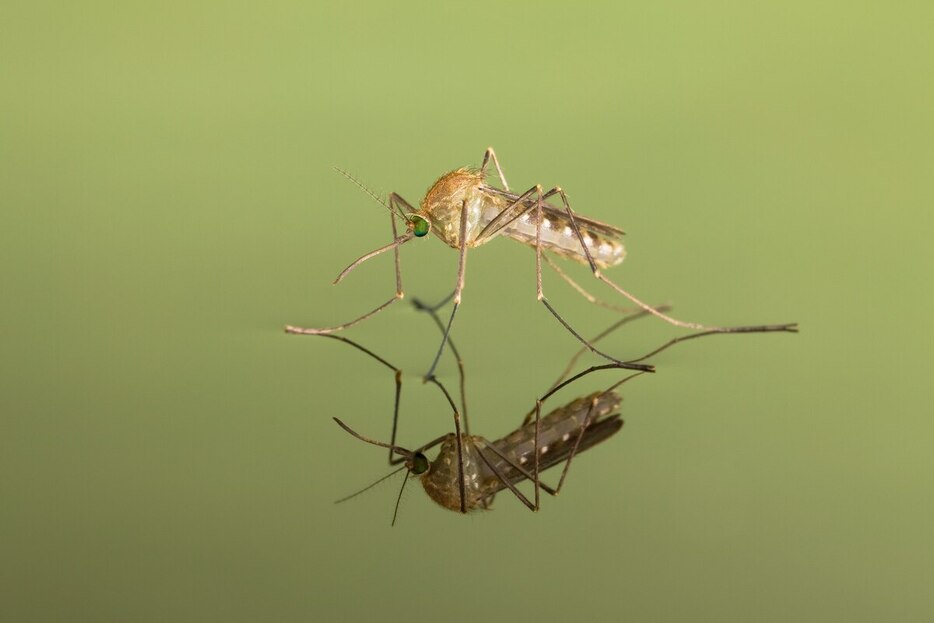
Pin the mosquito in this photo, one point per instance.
(465, 211)
(470, 470)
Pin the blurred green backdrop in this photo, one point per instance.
(167, 203)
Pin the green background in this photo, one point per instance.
(167, 204)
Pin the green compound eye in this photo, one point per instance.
(419, 464)
(420, 226)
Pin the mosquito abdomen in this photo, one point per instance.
(559, 237)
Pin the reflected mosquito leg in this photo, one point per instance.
(457, 357)
(434, 364)
(535, 446)
(613, 327)
(502, 478)
(590, 370)
(462, 482)
(398, 379)
(525, 473)
(587, 422)
(577, 442)
(576, 356)
(431, 444)
(422, 306)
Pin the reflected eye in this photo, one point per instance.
(420, 226)
(419, 464)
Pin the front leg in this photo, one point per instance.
(458, 289)
(394, 245)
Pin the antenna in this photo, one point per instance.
(369, 192)
(370, 486)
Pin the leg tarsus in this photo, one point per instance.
(326, 330)
(617, 363)
(396, 243)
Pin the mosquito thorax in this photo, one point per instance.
(443, 202)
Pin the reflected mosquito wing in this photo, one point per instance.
(558, 434)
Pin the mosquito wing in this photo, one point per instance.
(550, 211)
(557, 233)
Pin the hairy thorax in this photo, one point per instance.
(444, 200)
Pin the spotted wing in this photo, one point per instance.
(558, 434)
(599, 227)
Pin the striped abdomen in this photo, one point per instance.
(603, 241)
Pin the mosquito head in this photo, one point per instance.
(419, 225)
(417, 463)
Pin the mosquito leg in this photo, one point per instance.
(495, 225)
(502, 478)
(577, 442)
(398, 378)
(491, 155)
(625, 320)
(580, 290)
(691, 336)
(576, 356)
(326, 330)
(541, 296)
(431, 444)
(613, 327)
(499, 221)
(789, 327)
(588, 420)
(397, 242)
(461, 267)
(535, 445)
(422, 306)
(457, 357)
(525, 473)
(409, 456)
